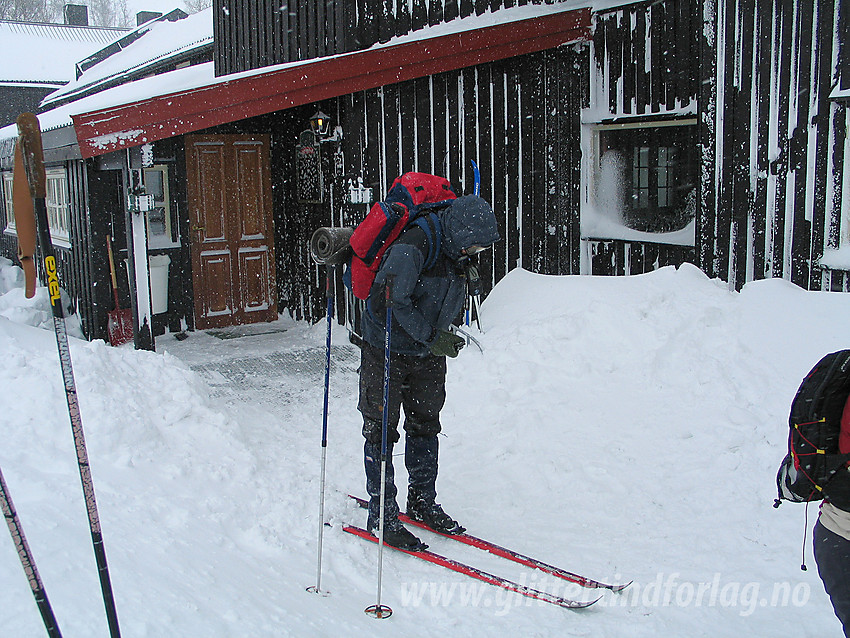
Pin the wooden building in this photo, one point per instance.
(612, 137)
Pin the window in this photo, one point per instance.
(7, 197)
(647, 175)
(161, 227)
(56, 203)
(58, 218)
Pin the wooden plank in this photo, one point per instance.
(727, 127)
(439, 125)
(533, 163)
(406, 126)
(419, 19)
(823, 38)
(741, 149)
(469, 131)
(403, 17)
(658, 42)
(424, 125)
(783, 61)
(513, 159)
(451, 10)
(454, 97)
(391, 145)
(763, 39)
(502, 168)
(485, 131)
(386, 21)
(642, 39)
(467, 8)
(615, 44)
(706, 133)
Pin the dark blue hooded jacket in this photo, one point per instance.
(426, 302)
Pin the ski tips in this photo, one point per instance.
(618, 588)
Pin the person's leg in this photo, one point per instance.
(371, 404)
(423, 396)
(832, 554)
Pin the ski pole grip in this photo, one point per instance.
(29, 137)
(389, 290)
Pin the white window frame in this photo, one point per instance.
(58, 207)
(592, 179)
(10, 207)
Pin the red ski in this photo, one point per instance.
(509, 554)
(478, 574)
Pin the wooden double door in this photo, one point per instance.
(231, 229)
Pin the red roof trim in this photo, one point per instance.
(111, 129)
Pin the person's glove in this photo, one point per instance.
(447, 344)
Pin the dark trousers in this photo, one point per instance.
(417, 386)
(832, 554)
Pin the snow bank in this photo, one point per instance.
(624, 428)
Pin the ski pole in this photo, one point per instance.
(33, 160)
(27, 561)
(329, 292)
(378, 610)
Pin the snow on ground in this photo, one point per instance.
(623, 428)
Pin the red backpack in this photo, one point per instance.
(411, 197)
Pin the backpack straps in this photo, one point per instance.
(430, 225)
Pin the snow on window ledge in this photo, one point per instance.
(596, 225)
(835, 259)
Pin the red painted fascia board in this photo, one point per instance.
(160, 117)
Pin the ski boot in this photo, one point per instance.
(423, 509)
(397, 535)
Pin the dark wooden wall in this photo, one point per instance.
(772, 141)
(647, 57)
(250, 34)
(518, 119)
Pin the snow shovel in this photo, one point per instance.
(119, 323)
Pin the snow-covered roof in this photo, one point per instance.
(37, 53)
(143, 48)
(192, 98)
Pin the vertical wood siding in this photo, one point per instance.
(773, 142)
(250, 34)
(519, 121)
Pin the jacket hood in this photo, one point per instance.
(469, 221)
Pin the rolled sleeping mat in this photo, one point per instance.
(330, 245)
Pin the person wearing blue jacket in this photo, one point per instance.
(428, 294)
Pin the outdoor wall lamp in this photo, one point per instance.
(320, 124)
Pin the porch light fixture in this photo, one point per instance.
(320, 124)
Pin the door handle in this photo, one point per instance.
(198, 227)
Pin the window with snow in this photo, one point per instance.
(647, 175)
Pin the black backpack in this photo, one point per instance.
(814, 468)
